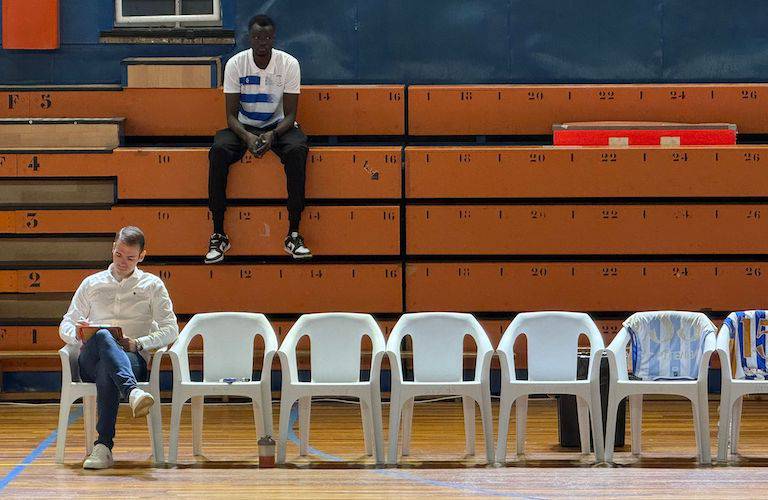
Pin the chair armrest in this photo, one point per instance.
(66, 367)
(483, 365)
(723, 346)
(617, 355)
(710, 346)
(595, 360)
(180, 362)
(507, 362)
(288, 366)
(266, 369)
(154, 374)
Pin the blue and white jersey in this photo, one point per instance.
(748, 329)
(261, 90)
(668, 344)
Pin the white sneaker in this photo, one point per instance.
(141, 402)
(100, 458)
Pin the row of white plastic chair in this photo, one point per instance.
(438, 347)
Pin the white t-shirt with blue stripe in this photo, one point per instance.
(261, 90)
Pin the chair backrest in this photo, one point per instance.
(553, 339)
(335, 343)
(228, 342)
(438, 343)
(668, 344)
(749, 333)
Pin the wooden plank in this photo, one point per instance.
(169, 76)
(268, 288)
(171, 230)
(323, 109)
(533, 109)
(535, 172)
(585, 229)
(21, 134)
(332, 172)
(601, 286)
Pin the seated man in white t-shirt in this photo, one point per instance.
(261, 86)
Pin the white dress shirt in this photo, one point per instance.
(139, 304)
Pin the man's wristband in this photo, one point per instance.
(139, 346)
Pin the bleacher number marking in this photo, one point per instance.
(752, 157)
(163, 215)
(395, 96)
(164, 275)
(2, 161)
(749, 95)
(753, 271)
(34, 165)
(34, 279)
(3, 333)
(32, 221)
(606, 95)
(46, 102)
(163, 159)
(677, 95)
(535, 96)
(13, 99)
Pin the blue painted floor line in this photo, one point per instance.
(34, 454)
(398, 474)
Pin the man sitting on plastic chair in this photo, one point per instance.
(138, 311)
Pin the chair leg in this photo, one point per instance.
(395, 412)
(258, 418)
(378, 427)
(407, 426)
(596, 417)
(505, 411)
(724, 426)
(583, 412)
(486, 416)
(736, 424)
(177, 405)
(636, 422)
(610, 425)
(197, 425)
(702, 422)
(305, 407)
(366, 415)
(266, 411)
(521, 419)
(155, 424)
(65, 406)
(468, 405)
(286, 404)
(89, 419)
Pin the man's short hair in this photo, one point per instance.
(131, 236)
(262, 20)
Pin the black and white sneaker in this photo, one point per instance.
(217, 247)
(294, 246)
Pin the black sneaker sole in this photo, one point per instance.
(297, 257)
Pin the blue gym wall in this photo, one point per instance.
(449, 41)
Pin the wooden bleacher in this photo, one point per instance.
(487, 229)
(435, 110)
(324, 110)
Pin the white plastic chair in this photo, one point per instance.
(335, 346)
(72, 389)
(553, 339)
(438, 362)
(693, 390)
(227, 353)
(734, 386)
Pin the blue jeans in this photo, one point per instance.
(115, 373)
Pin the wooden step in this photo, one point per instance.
(585, 286)
(536, 172)
(19, 193)
(172, 72)
(184, 231)
(270, 288)
(533, 109)
(338, 110)
(332, 172)
(18, 134)
(585, 229)
(81, 249)
(33, 307)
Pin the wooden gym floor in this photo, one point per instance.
(337, 466)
